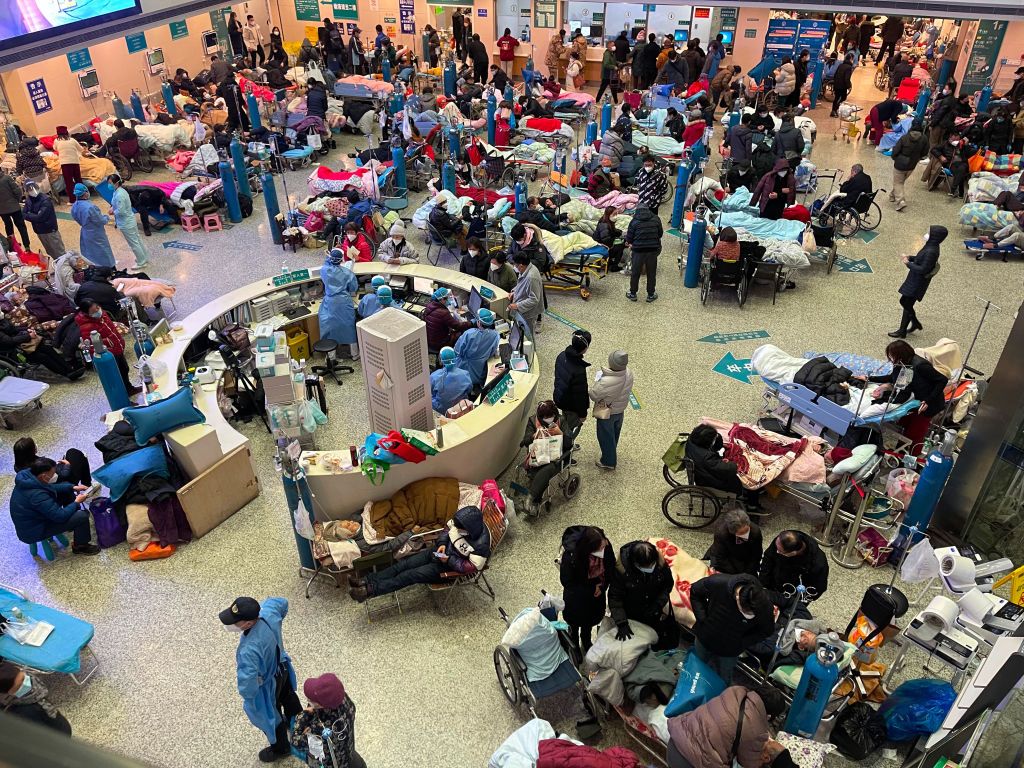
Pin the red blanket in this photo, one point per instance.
(797, 213)
(544, 124)
(480, 195)
(558, 753)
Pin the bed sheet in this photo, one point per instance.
(60, 651)
(686, 569)
(807, 467)
(660, 145)
(778, 230)
(985, 217)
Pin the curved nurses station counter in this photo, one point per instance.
(480, 444)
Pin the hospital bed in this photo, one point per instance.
(63, 648)
(574, 271)
(18, 395)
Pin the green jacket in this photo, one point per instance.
(608, 63)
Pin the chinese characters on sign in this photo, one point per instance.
(39, 96)
(79, 60)
(407, 17)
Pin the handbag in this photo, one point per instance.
(602, 411)
(396, 443)
(110, 530)
(374, 470)
(374, 450)
(545, 448)
(698, 684)
(421, 440)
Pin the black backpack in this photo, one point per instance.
(245, 203)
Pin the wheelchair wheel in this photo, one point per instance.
(124, 167)
(571, 486)
(881, 80)
(507, 178)
(690, 506)
(871, 218)
(675, 479)
(847, 223)
(508, 677)
(145, 162)
(742, 289)
(705, 282)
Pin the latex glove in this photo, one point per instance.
(625, 631)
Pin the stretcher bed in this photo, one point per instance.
(61, 651)
(576, 259)
(977, 249)
(18, 395)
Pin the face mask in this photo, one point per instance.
(23, 691)
(954, 142)
(926, 236)
(605, 170)
(234, 628)
(548, 422)
(782, 173)
(495, 267)
(53, 479)
(34, 193)
(351, 237)
(649, 168)
(96, 315)
(1000, 119)
(747, 616)
(798, 635)
(599, 553)
(474, 254)
(744, 537)
(395, 240)
(645, 570)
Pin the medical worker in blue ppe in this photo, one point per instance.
(448, 384)
(370, 304)
(337, 312)
(266, 679)
(476, 346)
(93, 243)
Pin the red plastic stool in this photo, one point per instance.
(212, 222)
(190, 223)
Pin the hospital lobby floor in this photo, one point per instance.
(423, 683)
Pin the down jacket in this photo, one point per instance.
(822, 376)
(559, 753)
(705, 736)
(29, 162)
(613, 389)
(909, 150)
(645, 230)
(46, 305)
(811, 566)
(112, 338)
(426, 503)
(635, 595)
(584, 596)
(570, 391)
(442, 326)
(770, 180)
(785, 82)
(34, 506)
(924, 265)
(720, 625)
(40, 212)
(613, 146)
(709, 468)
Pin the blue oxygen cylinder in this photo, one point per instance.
(606, 115)
(398, 161)
(982, 106)
(136, 102)
(591, 132)
(253, 107)
(821, 672)
(241, 175)
(945, 70)
(510, 94)
(227, 181)
(922, 102)
(120, 111)
(110, 375)
(682, 180)
(936, 471)
(385, 68)
(397, 103)
(168, 93)
(512, 121)
(695, 252)
(736, 115)
(818, 72)
(453, 144)
(448, 79)
(448, 177)
(273, 209)
(520, 196)
(492, 107)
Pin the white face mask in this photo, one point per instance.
(599, 553)
(351, 237)
(649, 168)
(746, 615)
(34, 193)
(495, 267)
(235, 628)
(474, 254)
(782, 173)
(548, 422)
(645, 570)
(926, 237)
(396, 239)
(53, 478)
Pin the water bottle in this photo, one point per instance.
(16, 612)
(83, 345)
(147, 377)
(510, 393)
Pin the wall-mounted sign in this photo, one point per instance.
(702, 13)
(481, 12)
(982, 59)
(345, 9)
(407, 16)
(307, 10)
(750, 33)
(136, 42)
(39, 96)
(179, 29)
(79, 60)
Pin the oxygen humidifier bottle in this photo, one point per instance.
(84, 346)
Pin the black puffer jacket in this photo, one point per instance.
(571, 391)
(635, 595)
(645, 231)
(709, 468)
(584, 597)
(842, 81)
(789, 141)
(811, 566)
(911, 147)
(822, 376)
(102, 292)
(924, 264)
(998, 133)
(720, 626)
(729, 555)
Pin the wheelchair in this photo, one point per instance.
(512, 673)
(130, 155)
(882, 79)
(850, 217)
(685, 504)
(721, 274)
(568, 480)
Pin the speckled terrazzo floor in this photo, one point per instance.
(424, 684)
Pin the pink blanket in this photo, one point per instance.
(167, 186)
(578, 96)
(612, 200)
(261, 92)
(146, 291)
(374, 85)
(806, 466)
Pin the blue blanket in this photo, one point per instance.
(901, 128)
(763, 228)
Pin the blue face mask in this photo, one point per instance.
(26, 687)
(645, 570)
(605, 170)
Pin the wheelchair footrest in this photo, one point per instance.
(520, 489)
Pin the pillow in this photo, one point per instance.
(118, 474)
(163, 415)
(858, 459)
(789, 674)
(805, 753)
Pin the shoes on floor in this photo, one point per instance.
(599, 465)
(269, 755)
(898, 334)
(915, 326)
(901, 205)
(356, 581)
(652, 297)
(630, 295)
(85, 549)
(359, 594)
(76, 374)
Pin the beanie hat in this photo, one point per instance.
(326, 691)
(398, 228)
(81, 189)
(695, 114)
(581, 340)
(618, 360)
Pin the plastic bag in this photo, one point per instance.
(809, 243)
(858, 731)
(698, 684)
(901, 484)
(917, 708)
(303, 526)
(920, 564)
(545, 448)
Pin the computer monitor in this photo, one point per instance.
(475, 302)
(515, 337)
(423, 285)
(682, 35)
(727, 37)
(89, 80)
(156, 57)
(505, 353)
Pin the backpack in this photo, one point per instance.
(245, 203)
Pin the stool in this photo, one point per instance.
(212, 222)
(190, 223)
(47, 547)
(328, 348)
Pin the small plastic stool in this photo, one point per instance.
(212, 222)
(191, 223)
(47, 547)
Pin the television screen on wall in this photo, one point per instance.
(27, 21)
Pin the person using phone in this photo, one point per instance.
(37, 511)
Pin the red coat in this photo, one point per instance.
(362, 244)
(507, 47)
(693, 133)
(113, 340)
(558, 753)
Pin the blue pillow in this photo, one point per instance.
(119, 473)
(163, 415)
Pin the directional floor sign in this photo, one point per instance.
(734, 368)
(182, 246)
(846, 264)
(725, 338)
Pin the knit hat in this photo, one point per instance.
(325, 691)
(618, 360)
(81, 189)
(696, 114)
(581, 340)
(398, 228)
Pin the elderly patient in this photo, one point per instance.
(463, 550)
(797, 641)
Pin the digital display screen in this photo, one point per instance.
(156, 57)
(25, 21)
(89, 80)
(727, 38)
(682, 35)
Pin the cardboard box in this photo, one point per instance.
(195, 447)
(220, 491)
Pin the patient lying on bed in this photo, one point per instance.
(797, 641)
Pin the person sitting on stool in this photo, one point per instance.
(43, 507)
(370, 304)
(73, 468)
(732, 612)
(449, 384)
